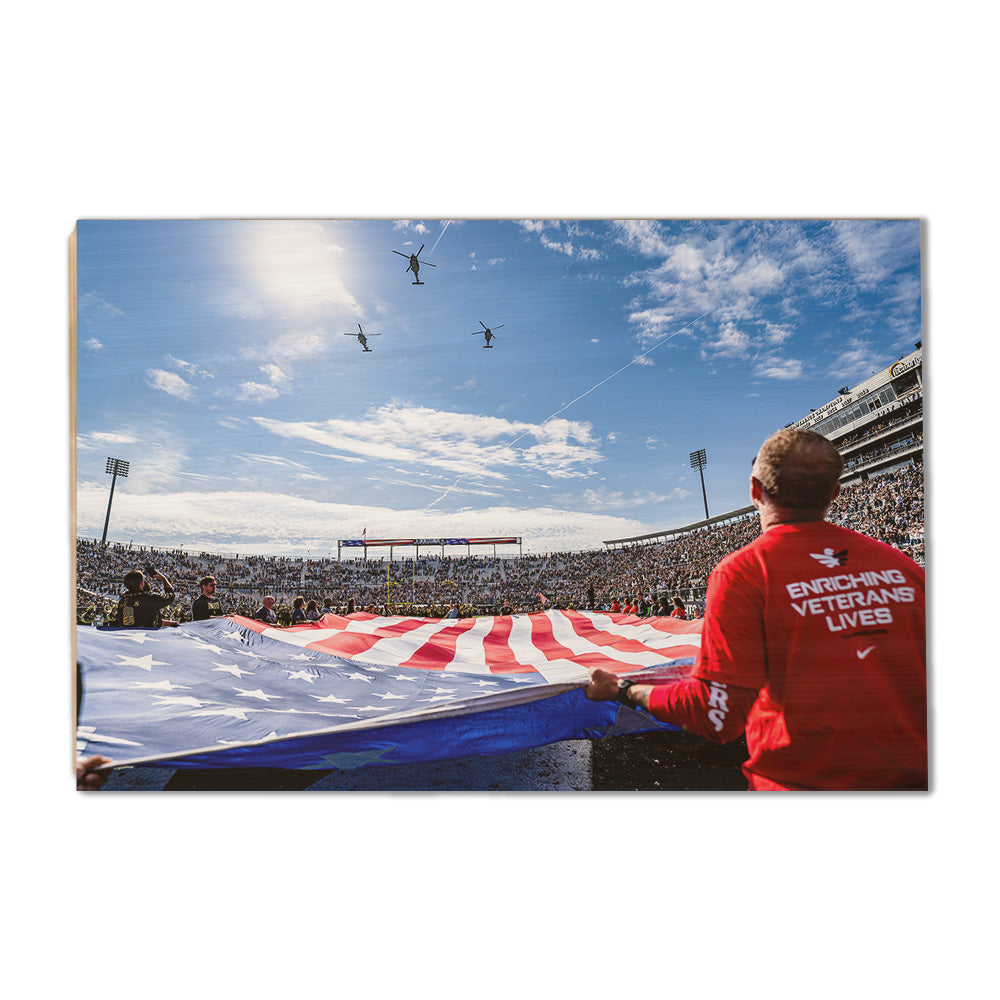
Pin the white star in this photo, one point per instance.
(139, 637)
(439, 698)
(399, 697)
(89, 734)
(403, 677)
(445, 690)
(159, 686)
(235, 713)
(179, 700)
(257, 694)
(331, 698)
(300, 656)
(231, 668)
(300, 675)
(484, 684)
(208, 647)
(359, 677)
(145, 662)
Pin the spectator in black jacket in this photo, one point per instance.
(208, 605)
(139, 607)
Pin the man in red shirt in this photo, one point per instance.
(814, 642)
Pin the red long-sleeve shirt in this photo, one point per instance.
(814, 639)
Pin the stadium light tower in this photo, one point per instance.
(114, 467)
(699, 461)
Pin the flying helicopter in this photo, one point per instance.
(414, 264)
(487, 332)
(362, 339)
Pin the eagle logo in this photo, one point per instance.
(829, 558)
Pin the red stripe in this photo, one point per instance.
(356, 643)
(586, 629)
(438, 652)
(499, 655)
(675, 626)
(545, 641)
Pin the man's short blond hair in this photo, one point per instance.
(798, 469)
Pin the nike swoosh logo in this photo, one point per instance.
(862, 653)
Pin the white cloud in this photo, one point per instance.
(274, 374)
(101, 439)
(875, 250)
(757, 276)
(279, 460)
(617, 500)
(856, 361)
(777, 333)
(93, 344)
(252, 522)
(169, 382)
(784, 369)
(188, 367)
(299, 345)
(653, 322)
(535, 226)
(566, 248)
(730, 342)
(463, 443)
(257, 392)
(151, 470)
(643, 236)
(339, 458)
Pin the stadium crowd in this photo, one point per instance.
(889, 507)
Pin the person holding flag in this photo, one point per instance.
(814, 642)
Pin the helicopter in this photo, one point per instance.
(414, 264)
(487, 331)
(362, 339)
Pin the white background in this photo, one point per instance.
(438, 110)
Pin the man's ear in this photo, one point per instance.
(756, 489)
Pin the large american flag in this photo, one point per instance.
(361, 690)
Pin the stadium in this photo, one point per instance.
(876, 425)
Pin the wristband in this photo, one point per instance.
(623, 699)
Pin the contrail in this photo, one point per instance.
(562, 409)
(438, 240)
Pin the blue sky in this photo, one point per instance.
(212, 356)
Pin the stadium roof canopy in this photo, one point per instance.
(670, 532)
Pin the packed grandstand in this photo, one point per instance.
(878, 427)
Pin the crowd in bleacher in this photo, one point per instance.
(889, 507)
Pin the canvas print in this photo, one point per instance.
(498, 504)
